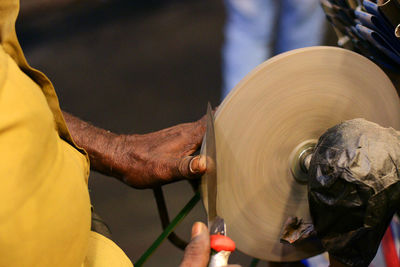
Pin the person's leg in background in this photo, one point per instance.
(248, 38)
(301, 24)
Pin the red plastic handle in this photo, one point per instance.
(222, 243)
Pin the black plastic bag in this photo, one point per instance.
(354, 188)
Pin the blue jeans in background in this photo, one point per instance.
(258, 29)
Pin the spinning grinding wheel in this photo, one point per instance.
(265, 128)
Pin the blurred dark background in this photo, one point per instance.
(131, 67)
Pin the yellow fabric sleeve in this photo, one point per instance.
(45, 211)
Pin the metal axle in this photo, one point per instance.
(300, 160)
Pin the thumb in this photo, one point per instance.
(190, 166)
(197, 252)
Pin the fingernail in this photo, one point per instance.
(202, 163)
(197, 229)
(193, 165)
(197, 165)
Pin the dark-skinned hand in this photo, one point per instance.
(142, 160)
(197, 252)
(160, 157)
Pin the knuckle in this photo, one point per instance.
(184, 166)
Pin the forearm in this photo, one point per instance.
(142, 161)
(98, 143)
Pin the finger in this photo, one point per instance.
(191, 167)
(197, 165)
(197, 252)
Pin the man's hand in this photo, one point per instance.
(197, 252)
(142, 161)
(160, 157)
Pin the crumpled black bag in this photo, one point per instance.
(354, 188)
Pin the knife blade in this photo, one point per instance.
(211, 164)
(221, 245)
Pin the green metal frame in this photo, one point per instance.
(170, 228)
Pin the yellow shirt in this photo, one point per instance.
(45, 210)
